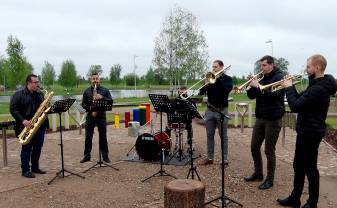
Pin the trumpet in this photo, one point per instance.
(275, 86)
(238, 89)
(209, 78)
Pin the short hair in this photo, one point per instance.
(219, 62)
(29, 78)
(183, 88)
(318, 60)
(269, 59)
(94, 73)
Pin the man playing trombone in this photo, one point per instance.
(217, 95)
(268, 112)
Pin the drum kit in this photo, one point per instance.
(149, 147)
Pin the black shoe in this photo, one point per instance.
(28, 174)
(307, 205)
(289, 202)
(106, 159)
(85, 159)
(254, 177)
(266, 185)
(39, 171)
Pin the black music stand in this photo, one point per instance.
(59, 107)
(161, 103)
(99, 106)
(189, 109)
(223, 197)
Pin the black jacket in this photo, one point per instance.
(269, 105)
(88, 98)
(23, 106)
(312, 105)
(218, 92)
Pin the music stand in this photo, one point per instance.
(223, 197)
(99, 106)
(189, 109)
(59, 107)
(161, 103)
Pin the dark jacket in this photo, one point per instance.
(218, 92)
(312, 105)
(88, 98)
(23, 106)
(269, 105)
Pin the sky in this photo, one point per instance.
(109, 32)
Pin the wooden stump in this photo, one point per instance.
(184, 193)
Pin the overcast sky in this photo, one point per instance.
(110, 31)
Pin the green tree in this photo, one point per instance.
(115, 73)
(15, 67)
(130, 79)
(94, 69)
(48, 74)
(180, 50)
(150, 78)
(68, 76)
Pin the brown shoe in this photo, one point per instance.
(206, 162)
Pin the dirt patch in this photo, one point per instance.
(106, 187)
(331, 138)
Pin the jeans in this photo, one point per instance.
(89, 131)
(268, 131)
(32, 151)
(212, 120)
(305, 164)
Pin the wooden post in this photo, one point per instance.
(66, 120)
(184, 193)
(53, 123)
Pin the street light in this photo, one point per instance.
(134, 70)
(271, 45)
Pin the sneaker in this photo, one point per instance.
(85, 159)
(106, 159)
(39, 171)
(206, 162)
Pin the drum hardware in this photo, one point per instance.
(178, 151)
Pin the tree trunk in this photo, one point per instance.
(184, 193)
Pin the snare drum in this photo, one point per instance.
(148, 146)
(177, 126)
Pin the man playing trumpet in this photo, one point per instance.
(269, 110)
(312, 106)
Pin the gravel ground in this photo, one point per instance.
(106, 187)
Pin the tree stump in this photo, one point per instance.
(184, 193)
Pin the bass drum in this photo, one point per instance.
(148, 146)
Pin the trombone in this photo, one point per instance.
(210, 77)
(238, 89)
(275, 86)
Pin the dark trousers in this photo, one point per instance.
(305, 164)
(89, 131)
(268, 131)
(32, 151)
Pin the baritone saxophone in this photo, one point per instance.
(39, 117)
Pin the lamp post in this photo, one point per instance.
(134, 70)
(271, 45)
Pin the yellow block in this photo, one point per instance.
(117, 120)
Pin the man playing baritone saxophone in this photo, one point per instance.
(23, 105)
(95, 92)
(269, 110)
(311, 107)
